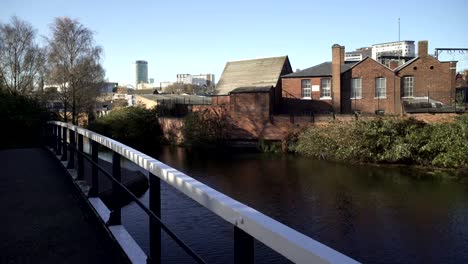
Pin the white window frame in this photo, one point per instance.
(408, 82)
(356, 90)
(380, 88)
(306, 89)
(325, 94)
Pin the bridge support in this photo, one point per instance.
(58, 148)
(64, 144)
(155, 229)
(71, 162)
(116, 213)
(80, 158)
(243, 247)
(94, 191)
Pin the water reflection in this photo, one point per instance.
(373, 214)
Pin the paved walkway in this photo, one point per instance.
(42, 219)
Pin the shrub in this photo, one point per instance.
(22, 121)
(389, 140)
(205, 129)
(133, 126)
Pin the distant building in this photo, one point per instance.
(400, 51)
(390, 54)
(141, 72)
(108, 87)
(358, 54)
(207, 79)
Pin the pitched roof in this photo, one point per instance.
(323, 69)
(251, 73)
(406, 64)
(255, 89)
(361, 61)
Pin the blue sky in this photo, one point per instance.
(201, 36)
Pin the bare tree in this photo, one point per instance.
(21, 59)
(74, 65)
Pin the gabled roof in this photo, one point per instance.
(263, 72)
(367, 58)
(323, 69)
(406, 64)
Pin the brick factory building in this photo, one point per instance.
(369, 86)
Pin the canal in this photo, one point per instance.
(374, 214)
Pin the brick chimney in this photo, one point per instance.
(342, 54)
(337, 60)
(422, 48)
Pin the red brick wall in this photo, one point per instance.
(293, 86)
(368, 70)
(438, 82)
(220, 100)
(256, 104)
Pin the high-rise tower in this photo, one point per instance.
(141, 72)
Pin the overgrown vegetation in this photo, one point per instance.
(266, 146)
(205, 129)
(22, 121)
(389, 140)
(133, 126)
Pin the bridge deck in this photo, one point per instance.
(42, 219)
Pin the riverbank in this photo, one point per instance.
(388, 140)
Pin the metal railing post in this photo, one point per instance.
(51, 136)
(154, 228)
(116, 213)
(64, 144)
(243, 247)
(94, 191)
(80, 157)
(59, 141)
(71, 162)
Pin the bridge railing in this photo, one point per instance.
(248, 223)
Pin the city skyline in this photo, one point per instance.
(200, 37)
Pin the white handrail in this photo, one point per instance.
(295, 246)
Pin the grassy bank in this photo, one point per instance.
(389, 140)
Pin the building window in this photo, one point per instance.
(356, 88)
(380, 87)
(408, 85)
(325, 92)
(305, 84)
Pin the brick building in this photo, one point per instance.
(369, 86)
(427, 78)
(256, 81)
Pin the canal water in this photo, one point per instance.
(374, 214)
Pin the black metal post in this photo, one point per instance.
(64, 144)
(94, 191)
(71, 162)
(51, 136)
(59, 141)
(116, 214)
(80, 157)
(243, 247)
(155, 229)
